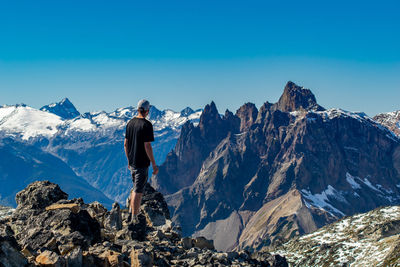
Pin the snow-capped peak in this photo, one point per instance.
(28, 122)
(187, 111)
(65, 109)
(51, 120)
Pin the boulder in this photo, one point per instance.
(154, 207)
(187, 242)
(39, 195)
(10, 255)
(141, 258)
(113, 219)
(97, 211)
(72, 207)
(74, 257)
(50, 259)
(202, 242)
(54, 228)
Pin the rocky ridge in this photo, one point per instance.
(390, 120)
(22, 164)
(284, 170)
(367, 239)
(47, 229)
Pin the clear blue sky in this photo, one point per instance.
(108, 54)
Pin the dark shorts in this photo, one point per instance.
(139, 178)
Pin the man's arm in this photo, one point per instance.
(126, 149)
(149, 152)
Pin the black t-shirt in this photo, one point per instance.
(138, 131)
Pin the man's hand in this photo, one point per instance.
(155, 169)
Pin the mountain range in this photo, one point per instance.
(89, 144)
(260, 177)
(250, 179)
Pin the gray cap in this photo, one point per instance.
(143, 104)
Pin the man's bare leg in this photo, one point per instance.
(136, 198)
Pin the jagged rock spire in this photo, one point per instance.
(247, 114)
(295, 97)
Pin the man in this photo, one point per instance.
(138, 137)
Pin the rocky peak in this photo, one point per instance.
(155, 113)
(195, 143)
(187, 111)
(262, 113)
(390, 120)
(248, 115)
(323, 165)
(209, 116)
(232, 121)
(39, 195)
(295, 98)
(211, 125)
(65, 109)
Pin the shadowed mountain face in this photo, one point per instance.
(22, 164)
(194, 145)
(65, 109)
(262, 176)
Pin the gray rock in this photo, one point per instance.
(39, 195)
(10, 256)
(74, 257)
(202, 242)
(141, 258)
(97, 211)
(187, 242)
(50, 258)
(51, 228)
(113, 220)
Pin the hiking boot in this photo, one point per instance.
(133, 219)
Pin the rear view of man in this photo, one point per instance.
(138, 137)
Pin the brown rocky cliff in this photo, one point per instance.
(295, 98)
(248, 115)
(182, 165)
(339, 162)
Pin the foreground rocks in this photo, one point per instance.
(47, 229)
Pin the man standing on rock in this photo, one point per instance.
(138, 137)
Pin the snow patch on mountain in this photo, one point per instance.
(352, 181)
(367, 239)
(92, 143)
(321, 200)
(28, 122)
